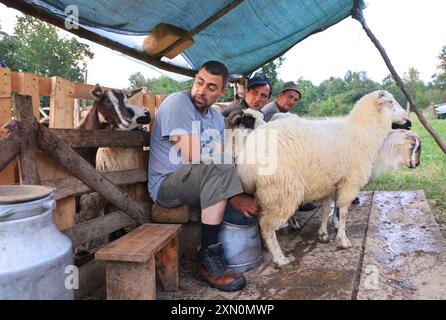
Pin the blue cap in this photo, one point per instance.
(258, 81)
(2, 64)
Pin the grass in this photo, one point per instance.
(430, 176)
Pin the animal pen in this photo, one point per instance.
(398, 251)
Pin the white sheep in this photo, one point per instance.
(315, 160)
(400, 147)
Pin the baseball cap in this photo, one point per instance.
(258, 81)
(290, 85)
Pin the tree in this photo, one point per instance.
(269, 70)
(36, 47)
(440, 77)
(162, 85)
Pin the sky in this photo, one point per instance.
(412, 32)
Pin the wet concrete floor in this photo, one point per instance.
(398, 253)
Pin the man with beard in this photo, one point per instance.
(186, 139)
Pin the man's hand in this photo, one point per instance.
(245, 203)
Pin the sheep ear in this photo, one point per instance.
(382, 97)
(97, 92)
(132, 93)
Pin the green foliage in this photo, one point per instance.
(162, 85)
(269, 70)
(36, 47)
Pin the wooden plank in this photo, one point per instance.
(75, 138)
(61, 116)
(140, 244)
(131, 281)
(61, 103)
(9, 143)
(14, 81)
(149, 102)
(28, 84)
(27, 132)
(166, 262)
(9, 175)
(83, 91)
(405, 254)
(98, 227)
(137, 99)
(71, 186)
(79, 167)
(44, 86)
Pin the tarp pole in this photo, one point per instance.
(358, 16)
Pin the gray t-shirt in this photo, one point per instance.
(177, 116)
(269, 110)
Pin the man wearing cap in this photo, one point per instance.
(258, 91)
(286, 100)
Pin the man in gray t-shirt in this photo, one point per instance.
(185, 168)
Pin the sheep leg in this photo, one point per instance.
(272, 244)
(335, 218)
(323, 233)
(342, 241)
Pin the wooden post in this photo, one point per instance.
(28, 133)
(9, 143)
(61, 103)
(167, 265)
(139, 191)
(28, 85)
(61, 116)
(408, 110)
(9, 175)
(357, 15)
(149, 102)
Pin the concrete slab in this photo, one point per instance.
(319, 270)
(405, 253)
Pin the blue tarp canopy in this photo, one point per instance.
(245, 38)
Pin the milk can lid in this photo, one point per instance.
(21, 193)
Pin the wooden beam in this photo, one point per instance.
(98, 227)
(27, 132)
(9, 143)
(41, 14)
(400, 83)
(56, 149)
(201, 27)
(9, 174)
(71, 186)
(76, 138)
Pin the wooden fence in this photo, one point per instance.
(48, 157)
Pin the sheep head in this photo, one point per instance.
(388, 104)
(407, 145)
(244, 119)
(111, 109)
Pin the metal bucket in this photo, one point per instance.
(241, 242)
(34, 254)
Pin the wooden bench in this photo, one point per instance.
(133, 260)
